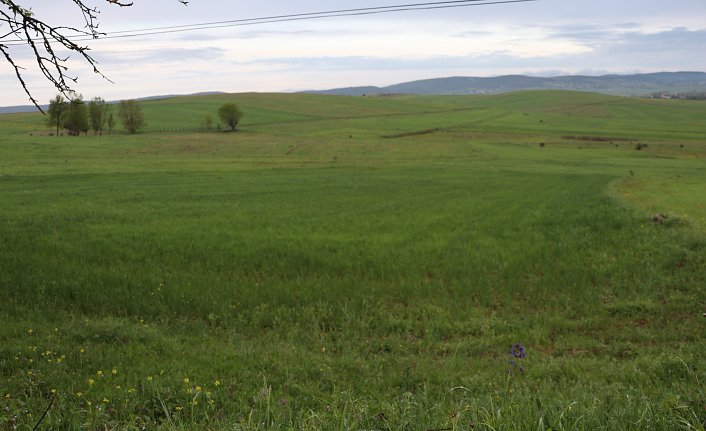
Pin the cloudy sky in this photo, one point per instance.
(544, 37)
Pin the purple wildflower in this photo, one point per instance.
(517, 353)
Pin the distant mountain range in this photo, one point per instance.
(621, 85)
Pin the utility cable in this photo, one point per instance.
(122, 34)
(324, 14)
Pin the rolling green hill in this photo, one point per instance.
(358, 263)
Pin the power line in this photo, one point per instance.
(325, 14)
(122, 34)
(305, 17)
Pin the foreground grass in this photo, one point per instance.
(308, 273)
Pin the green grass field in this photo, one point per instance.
(362, 263)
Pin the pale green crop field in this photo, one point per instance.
(358, 263)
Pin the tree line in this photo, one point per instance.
(691, 95)
(77, 116)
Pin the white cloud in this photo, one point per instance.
(536, 38)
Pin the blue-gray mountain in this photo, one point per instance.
(622, 85)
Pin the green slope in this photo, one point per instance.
(358, 263)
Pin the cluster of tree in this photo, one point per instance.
(229, 113)
(76, 116)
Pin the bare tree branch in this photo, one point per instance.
(18, 24)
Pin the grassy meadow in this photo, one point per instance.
(358, 263)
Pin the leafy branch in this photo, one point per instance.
(19, 25)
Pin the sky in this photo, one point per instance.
(541, 38)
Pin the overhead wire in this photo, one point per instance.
(121, 34)
(328, 14)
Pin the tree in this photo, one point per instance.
(76, 117)
(130, 114)
(111, 119)
(45, 40)
(231, 114)
(85, 127)
(97, 114)
(57, 107)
